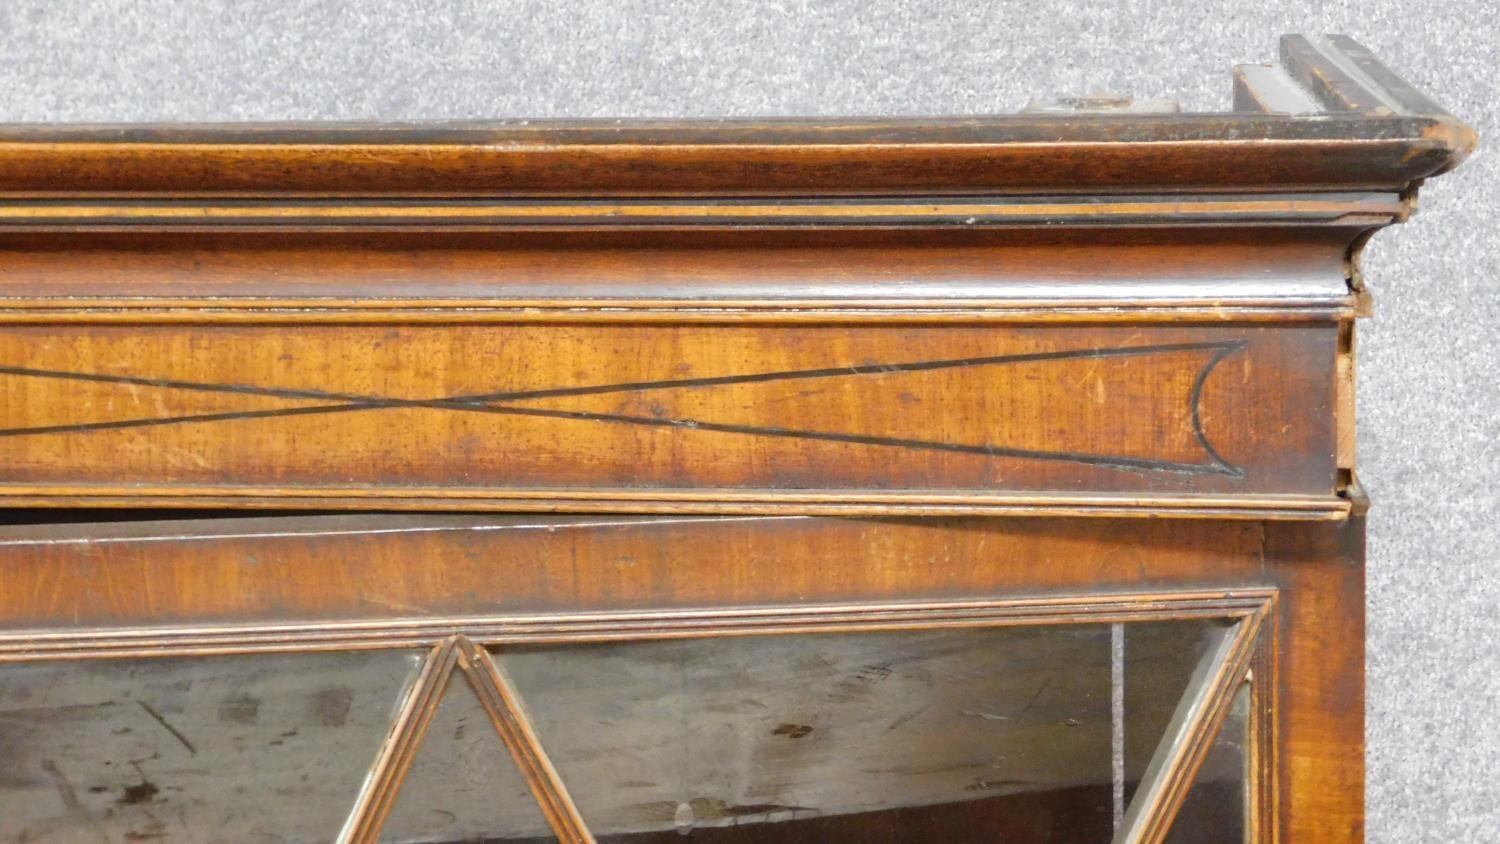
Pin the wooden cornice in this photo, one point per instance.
(1329, 117)
(582, 282)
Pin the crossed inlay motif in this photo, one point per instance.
(513, 403)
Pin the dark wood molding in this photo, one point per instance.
(374, 633)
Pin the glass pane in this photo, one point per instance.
(463, 784)
(1159, 658)
(979, 734)
(262, 747)
(1216, 808)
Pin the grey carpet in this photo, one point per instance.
(1429, 404)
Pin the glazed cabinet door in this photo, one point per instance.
(519, 678)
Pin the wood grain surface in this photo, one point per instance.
(599, 410)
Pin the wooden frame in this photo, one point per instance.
(1239, 570)
(1243, 651)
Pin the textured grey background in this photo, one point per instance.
(1429, 404)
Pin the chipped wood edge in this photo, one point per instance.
(1344, 401)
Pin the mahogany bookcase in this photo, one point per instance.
(971, 479)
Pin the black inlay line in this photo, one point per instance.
(228, 416)
(493, 403)
(860, 439)
(521, 395)
(853, 369)
(1195, 401)
(196, 386)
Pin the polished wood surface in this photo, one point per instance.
(1225, 272)
(502, 413)
(523, 391)
(1020, 153)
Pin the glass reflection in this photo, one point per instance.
(1015, 734)
(978, 734)
(1216, 810)
(1159, 659)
